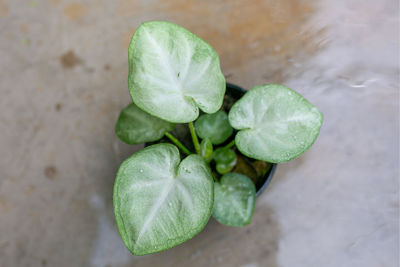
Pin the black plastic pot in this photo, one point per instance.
(233, 93)
(268, 177)
(237, 92)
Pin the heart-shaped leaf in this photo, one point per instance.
(234, 199)
(214, 126)
(225, 159)
(135, 126)
(277, 124)
(160, 202)
(173, 72)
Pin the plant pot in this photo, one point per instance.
(233, 93)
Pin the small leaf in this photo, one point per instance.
(276, 123)
(214, 126)
(225, 160)
(134, 126)
(206, 149)
(224, 155)
(173, 72)
(234, 200)
(160, 202)
(223, 168)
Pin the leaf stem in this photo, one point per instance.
(231, 144)
(194, 138)
(178, 143)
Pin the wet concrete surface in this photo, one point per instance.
(63, 81)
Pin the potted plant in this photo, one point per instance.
(166, 193)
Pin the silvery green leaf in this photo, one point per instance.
(135, 126)
(225, 160)
(214, 126)
(276, 123)
(234, 199)
(173, 72)
(160, 202)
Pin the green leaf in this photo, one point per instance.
(134, 126)
(225, 160)
(160, 202)
(234, 199)
(277, 124)
(214, 126)
(206, 149)
(173, 72)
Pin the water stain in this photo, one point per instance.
(107, 67)
(245, 32)
(50, 172)
(4, 10)
(241, 33)
(247, 35)
(74, 11)
(58, 106)
(70, 60)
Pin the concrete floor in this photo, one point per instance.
(63, 81)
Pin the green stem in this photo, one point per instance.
(178, 143)
(231, 144)
(215, 177)
(194, 138)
